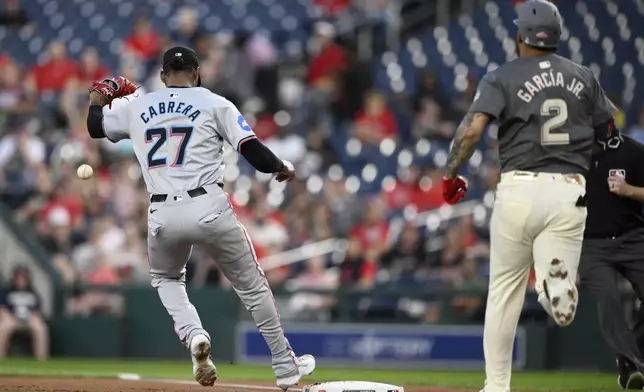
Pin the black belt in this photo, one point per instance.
(160, 198)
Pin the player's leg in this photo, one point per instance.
(631, 265)
(556, 253)
(510, 261)
(230, 247)
(599, 275)
(167, 268)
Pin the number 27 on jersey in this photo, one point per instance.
(158, 137)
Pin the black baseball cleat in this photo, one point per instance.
(629, 377)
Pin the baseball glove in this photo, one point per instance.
(111, 89)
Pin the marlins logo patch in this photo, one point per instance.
(243, 124)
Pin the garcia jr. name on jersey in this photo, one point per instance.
(549, 79)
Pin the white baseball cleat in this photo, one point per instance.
(561, 292)
(202, 367)
(305, 367)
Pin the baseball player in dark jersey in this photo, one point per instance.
(549, 111)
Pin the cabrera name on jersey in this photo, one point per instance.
(178, 136)
(170, 107)
(548, 79)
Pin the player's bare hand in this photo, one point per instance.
(287, 173)
(618, 186)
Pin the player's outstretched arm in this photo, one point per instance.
(265, 161)
(467, 136)
(235, 130)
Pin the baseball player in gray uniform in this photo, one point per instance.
(178, 135)
(550, 110)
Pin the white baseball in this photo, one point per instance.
(85, 172)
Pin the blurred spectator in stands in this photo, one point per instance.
(21, 154)
(56, 72)
(29, 207)
(96, 301)
(402, 261)
(429, 89)
(64, 197)
(322, 222)
(12, 15)
(316, 276)
(130, 260)
(423, 192)
(375, 122)
(234, 75)
(327, 58)
(333, 7)
(59, 237)
(265, 230)
(470, 238)
(428, 123)
(263, 59)
(287, 145)
(4, 60)
(452, 255)
(17, 103)
(91, 68)
(637, 131)
(20, 313)
(144, 41)
(298, 217)
(345, 207)
(470, 276)
(469, 306)
(205, 47)
(356, 81)
(188, 31)
(373, 229)
(359, 268)
(86, 255)
(463, 101)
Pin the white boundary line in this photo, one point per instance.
(217, 384)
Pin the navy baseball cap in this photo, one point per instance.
(180, 58)
(539, 24)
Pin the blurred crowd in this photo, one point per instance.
(94, 230)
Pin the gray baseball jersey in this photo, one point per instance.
(178, 136)
(547, 108)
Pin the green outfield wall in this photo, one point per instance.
(146, 331)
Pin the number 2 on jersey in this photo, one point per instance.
(560, 108)
(159, 136)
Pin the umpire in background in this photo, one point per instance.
(614, 246)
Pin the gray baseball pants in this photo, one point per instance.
(180, 222)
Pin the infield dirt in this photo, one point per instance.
(37, 384)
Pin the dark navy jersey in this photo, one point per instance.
(547, 108)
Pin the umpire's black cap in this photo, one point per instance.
(180, 58)
(539, 24)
